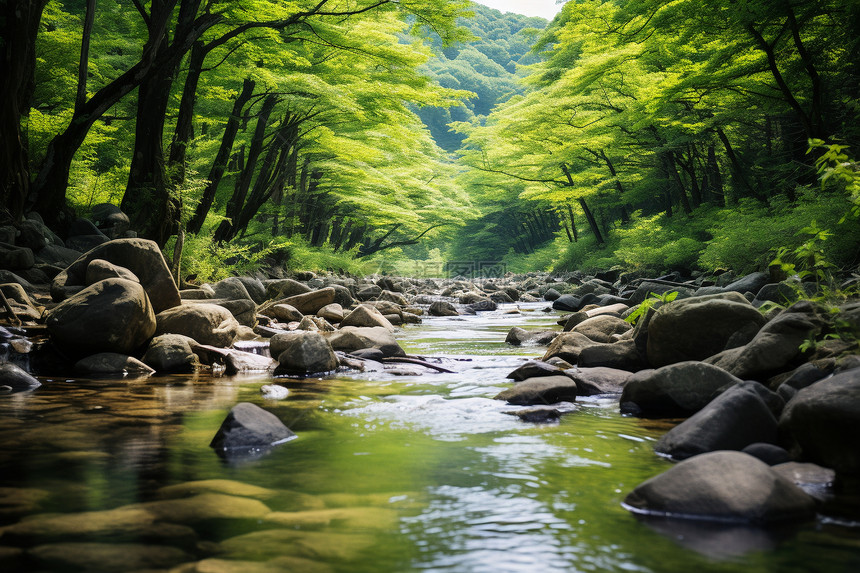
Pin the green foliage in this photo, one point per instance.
(808, 259)
(837, 169)
(650, 302)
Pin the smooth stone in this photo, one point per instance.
(821, 422)
(366, 316)
(541, 390)
(351, 338)
(738, 417)
(171, 353)
(676, 390)
(534, 369)
(99, 270)
(108, 557)
(311, 302)
(222, 486)
(302, 353)
(519, 337)
(537, 415)
(599, 380)
(602, 328)
(113, 315)
(249, 426)
(16, 378)
(771, 454)
(285, 288)
(443, 308)
(274, 392)
(205, 507)
(722, 486)
(206, 323)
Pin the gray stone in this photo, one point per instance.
(86, 243)
(311, 302)
(57, 255)
(17, 379)
(722, 486)
(751, 283)
(255, 289)
(110, 220)
(647, 288)
(142, 257)
(772, 348)
(697, 328)
(351, 338)
(205, 323)
(534, 369)
(285, 288)
(599, 380)
(518, 337)
(113, 315)
(366, 316)
(541, 390)
(676, 390)
(171, 353)
(302, 353)
(283, 313)
(16, 258)
(442, 308)
(331, 312)
(602, 328)
(821, 422)
(621, 355)
(249, 426)
(99, 270)
(735, 419)
(771, 454)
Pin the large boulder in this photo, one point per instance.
(206, 323)
(140, 256)
(285, 288)
(541, 390)
(311, 302)
(622, 355)
(821, 422)
(100, 269)
(171, 353)
(366, 316)
(16, 258)
(534, 369)
(740, 416)
(114, 315)
(352, 338)
(722, 486)
(231, 288)
(249, 426)
(442, 308)
(302, 353)
(16, 379)
(772, 348)
(599, 380)
(677, 390)
(602, 328)
(696, 328)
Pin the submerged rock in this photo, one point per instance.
(16, 378)
(542, 390)
(112, 363)
(722, 486)
(249, 426)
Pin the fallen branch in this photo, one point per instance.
(10, 310)
(419, 362)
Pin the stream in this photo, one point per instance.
(388, 474)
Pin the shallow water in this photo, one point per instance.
(415, 473)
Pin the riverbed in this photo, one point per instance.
(388, 473)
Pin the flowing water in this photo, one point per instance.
(388, 473)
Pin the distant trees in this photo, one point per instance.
(666, 107)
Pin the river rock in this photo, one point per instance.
(17, 378)
(570, 321)
(100, 269)
(534, 369)
(231, 288)
(140, 256)
(366, 316)
(302, 353)
(622, 355)
(114, 315)
(519, 336)
(537, 415)
(204, 322)
(568, 346)
(171, 353)
(16, 258)
(551, 295)
(677, 390)
(370, 292)
(110, 220)
(820, 422)
(442, 308)
(750, 283)
(57, 255)
(738, 417)
(285, 288)
(722, 486)
(255, 288)
(105, 363)
(352, 338)
(602, 328)
(249, 426)
(283, 313)
(235, 361)
(541, 390)
(332, 312)
(772, 348)
(311, 302)
(599, 380)
(697, 328)
(771, 454)
(647, 289)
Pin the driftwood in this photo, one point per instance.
(417, 361)
(13, 317)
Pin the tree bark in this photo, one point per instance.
(592, 222)
(20, 26)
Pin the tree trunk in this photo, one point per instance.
(20, 26)
(184, 130)
(737, 168)
(237, 200)
(592, 222)
(625, 215)
(572, 223)
(672, 170)
(221, 159)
